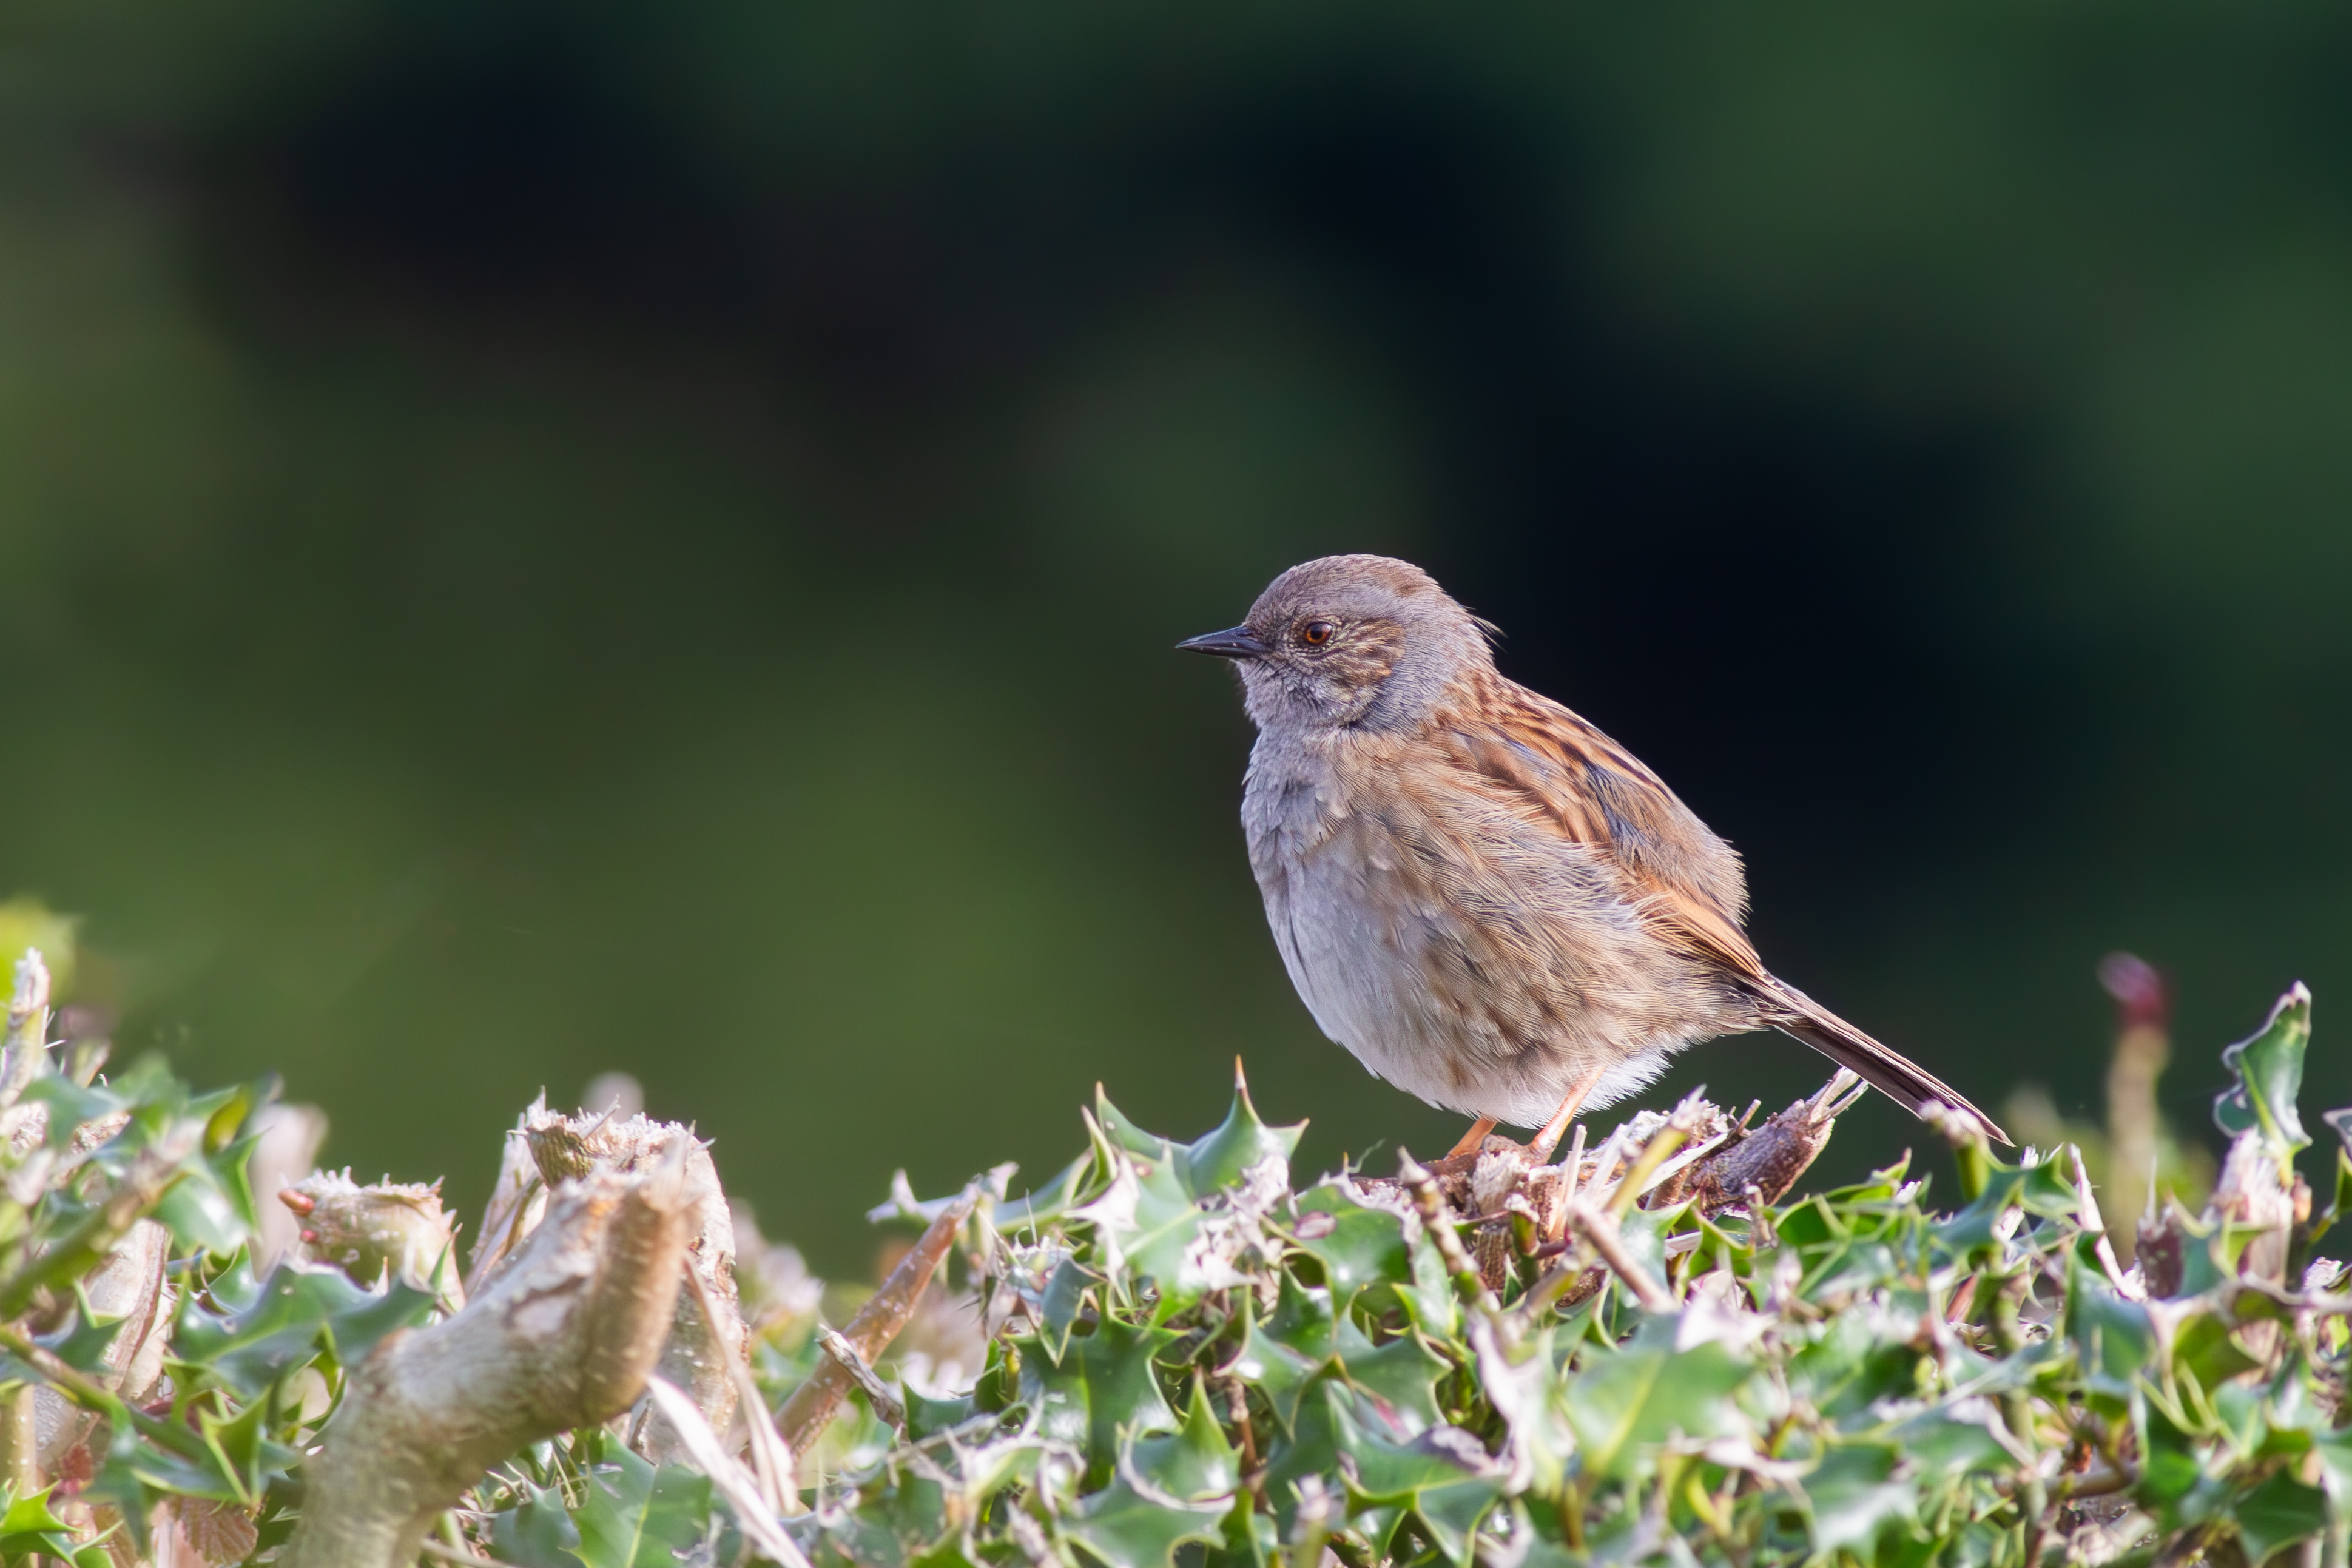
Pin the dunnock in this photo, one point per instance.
(1488, 901)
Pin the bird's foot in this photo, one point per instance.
(1475, 1139)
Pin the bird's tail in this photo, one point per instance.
(1902, 1080)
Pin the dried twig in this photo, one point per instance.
(1773, 1157)
(876, 1325)
(1439, 1223)
(878, 1393)
(1599, 1227)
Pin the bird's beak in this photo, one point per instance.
(1234, 642)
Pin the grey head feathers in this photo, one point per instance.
(1357, 642)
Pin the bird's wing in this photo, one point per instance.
(1555, 764)
(1551, 763)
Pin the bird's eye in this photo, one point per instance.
(1315, 633)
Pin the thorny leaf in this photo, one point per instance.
(1172, 1241)
(2280, 1511)
(1282, 1355)
(1195, 1464)
(537, 1532)
(30, 1528)
(1241, 1144)
(1104, 1386)
(248, 1335)
(2112, 1337)
(2268, 1067)
(1443, 1477)
(1625, 1404)
(1067, 1294)
(636, 1515)
(1856, 1498)
(1130, 1524)
(1360, 1246)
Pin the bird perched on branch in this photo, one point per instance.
(1489, 901)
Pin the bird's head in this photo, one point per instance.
(1349, 640)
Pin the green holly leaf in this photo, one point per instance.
(913, 1514)
(928, 1417)
(1643, 1233)
(71, 1106)
(2238, 1412)
(1623, 1405)
(1132, 1524)
(1146, 1223)
(1066, 1298)
(1378, 1522)
(201, 1211)
(244, 1336)
(1049, 1202)
(1309, 1447)
(2171, 1465)
(2277, 1513)
(1282, 1355)
(1249, 1539)
(1445, 1476)
(1942, 1445)
(1851, 1365)
(241, 1447)
(2340, 1199)
(135, 1467)
(2340, 1122)
(1527, 1391)
(2115, 1338)
(1194, 1463)
(1401, 1376)
(2269, 1069)
(2334, 1450)
(864, 1535)
(955, 1550)
(2204, 1348)
(1125, 1135)
(536, 1532)
(635, 1516)
(1238, 1145)
(1169, 1245)
(1857, 1499)
(1975, 1229)
(1450, 1515)
(1359, 1247)
(1104, 1385)
(1427, 1296)
(1540, 1528)
(1382, 1470)
(83, 1344)
(1307, 1335)
(29, 1528)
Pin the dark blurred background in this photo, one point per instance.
(539, 538)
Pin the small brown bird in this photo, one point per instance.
(1488, 901)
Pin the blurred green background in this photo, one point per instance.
(537, 538)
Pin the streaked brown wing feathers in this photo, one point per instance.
(1596, 792)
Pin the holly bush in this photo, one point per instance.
(1646, 1349)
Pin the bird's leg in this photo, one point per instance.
(1472, 1138)
(1546, 1141)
